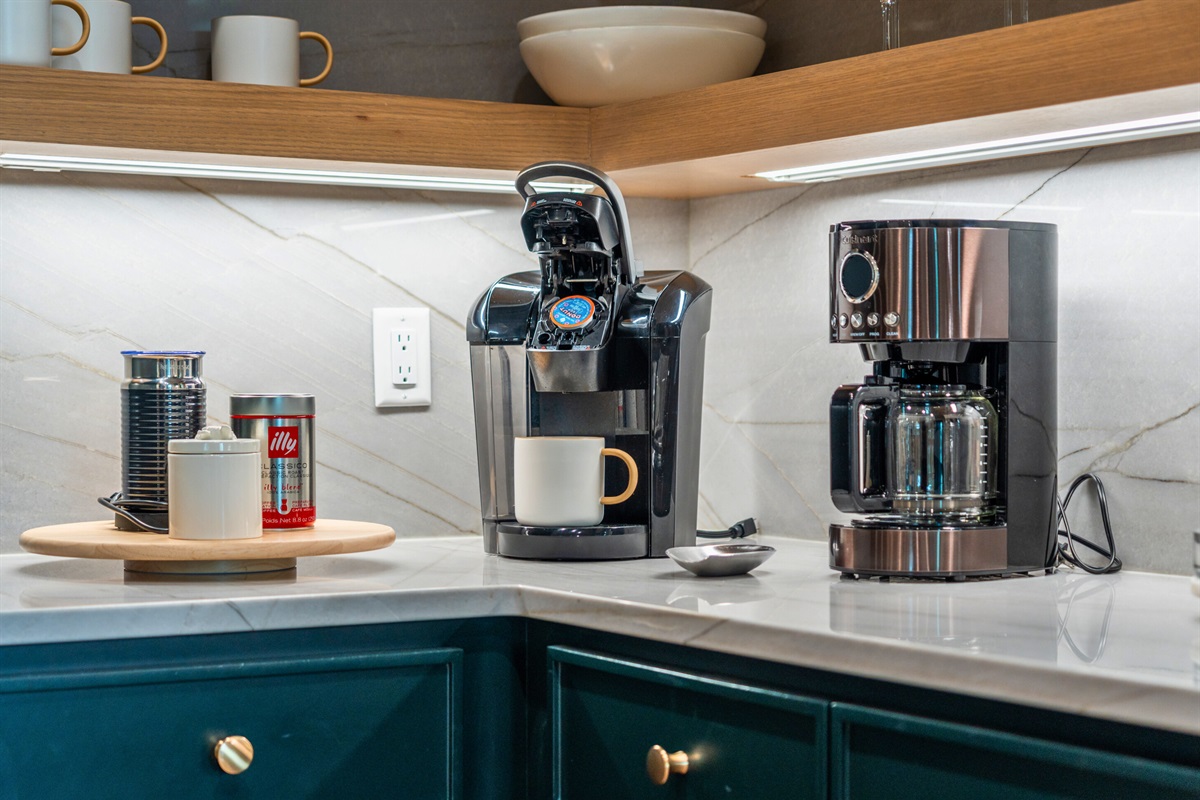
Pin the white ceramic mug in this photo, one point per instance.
(25, 31)
(109, 47)
(262, 50)
(559, 480)
(214, 486)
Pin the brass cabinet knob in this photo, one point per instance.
(234, 754)
(660, 764)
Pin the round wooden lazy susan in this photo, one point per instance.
(157, 552)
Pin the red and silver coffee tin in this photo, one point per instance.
(285, 425)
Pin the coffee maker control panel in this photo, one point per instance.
(920, 281)
(857, 300)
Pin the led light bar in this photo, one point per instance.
(985, 151)
(178, 169)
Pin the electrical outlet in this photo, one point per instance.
(405, 370)
(402, 365)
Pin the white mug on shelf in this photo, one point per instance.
(25, 31)
(109, 47)
(559, 480)
(262, 50)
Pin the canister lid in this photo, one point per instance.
(214, 439)
(162, 363)
(272, 405)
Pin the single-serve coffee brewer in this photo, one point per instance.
(587, 346)
(949, 446)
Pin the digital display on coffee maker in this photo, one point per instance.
(859, 277)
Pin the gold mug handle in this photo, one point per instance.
(83, 37)
(328, 57)
(633, 476)
(162, 48)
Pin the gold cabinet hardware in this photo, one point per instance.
(234, 754)
(660, 764)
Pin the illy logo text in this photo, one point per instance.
(283, 442)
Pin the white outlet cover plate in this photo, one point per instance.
(388, 393)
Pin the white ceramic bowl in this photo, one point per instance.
(625, 16)
(597, 66)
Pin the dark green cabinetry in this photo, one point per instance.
(742, 741)
(877, 754)
(514, 709)
(418, 710)
(337, 726)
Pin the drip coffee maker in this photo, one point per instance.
(949, 446)
(587, 346)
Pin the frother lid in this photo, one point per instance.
(162, 363)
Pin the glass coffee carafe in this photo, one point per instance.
(939, 463)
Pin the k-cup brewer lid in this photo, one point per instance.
(272, 405)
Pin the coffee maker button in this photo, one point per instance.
(842, 320)
(856, 320)
(891, 318)
(872, 319)
(833, 321)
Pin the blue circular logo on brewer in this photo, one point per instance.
(572, 312)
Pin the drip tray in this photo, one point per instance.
(588, 543)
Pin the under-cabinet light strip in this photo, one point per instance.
(985, 151)
(44, 163)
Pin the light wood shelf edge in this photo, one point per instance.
(170, 114)
(1122, 63)
(1136, 47)
(1112, 64)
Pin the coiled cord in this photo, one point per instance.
(1066, 548)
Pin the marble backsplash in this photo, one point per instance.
(277, 283)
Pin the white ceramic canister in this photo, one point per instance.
(214, 486)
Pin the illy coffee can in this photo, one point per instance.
(284, 425)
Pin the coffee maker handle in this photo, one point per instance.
(571, 169)
(858, 480)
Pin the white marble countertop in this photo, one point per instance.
(1123, 647)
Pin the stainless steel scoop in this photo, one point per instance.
(714, 560)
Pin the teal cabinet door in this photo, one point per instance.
(355, 726)
(878, 754)
(741, 741)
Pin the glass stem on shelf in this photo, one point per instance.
(1016, 11)
(891, 23)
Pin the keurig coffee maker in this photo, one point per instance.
(588, 347)
(949, 446)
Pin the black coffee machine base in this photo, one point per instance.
(590, 543)
(865, 550)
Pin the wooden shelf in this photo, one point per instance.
(1132, 61)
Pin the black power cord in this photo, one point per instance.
(739, 530)
(1066, 548)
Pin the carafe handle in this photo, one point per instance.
(858, 448)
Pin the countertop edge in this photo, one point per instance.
(1137, 702)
